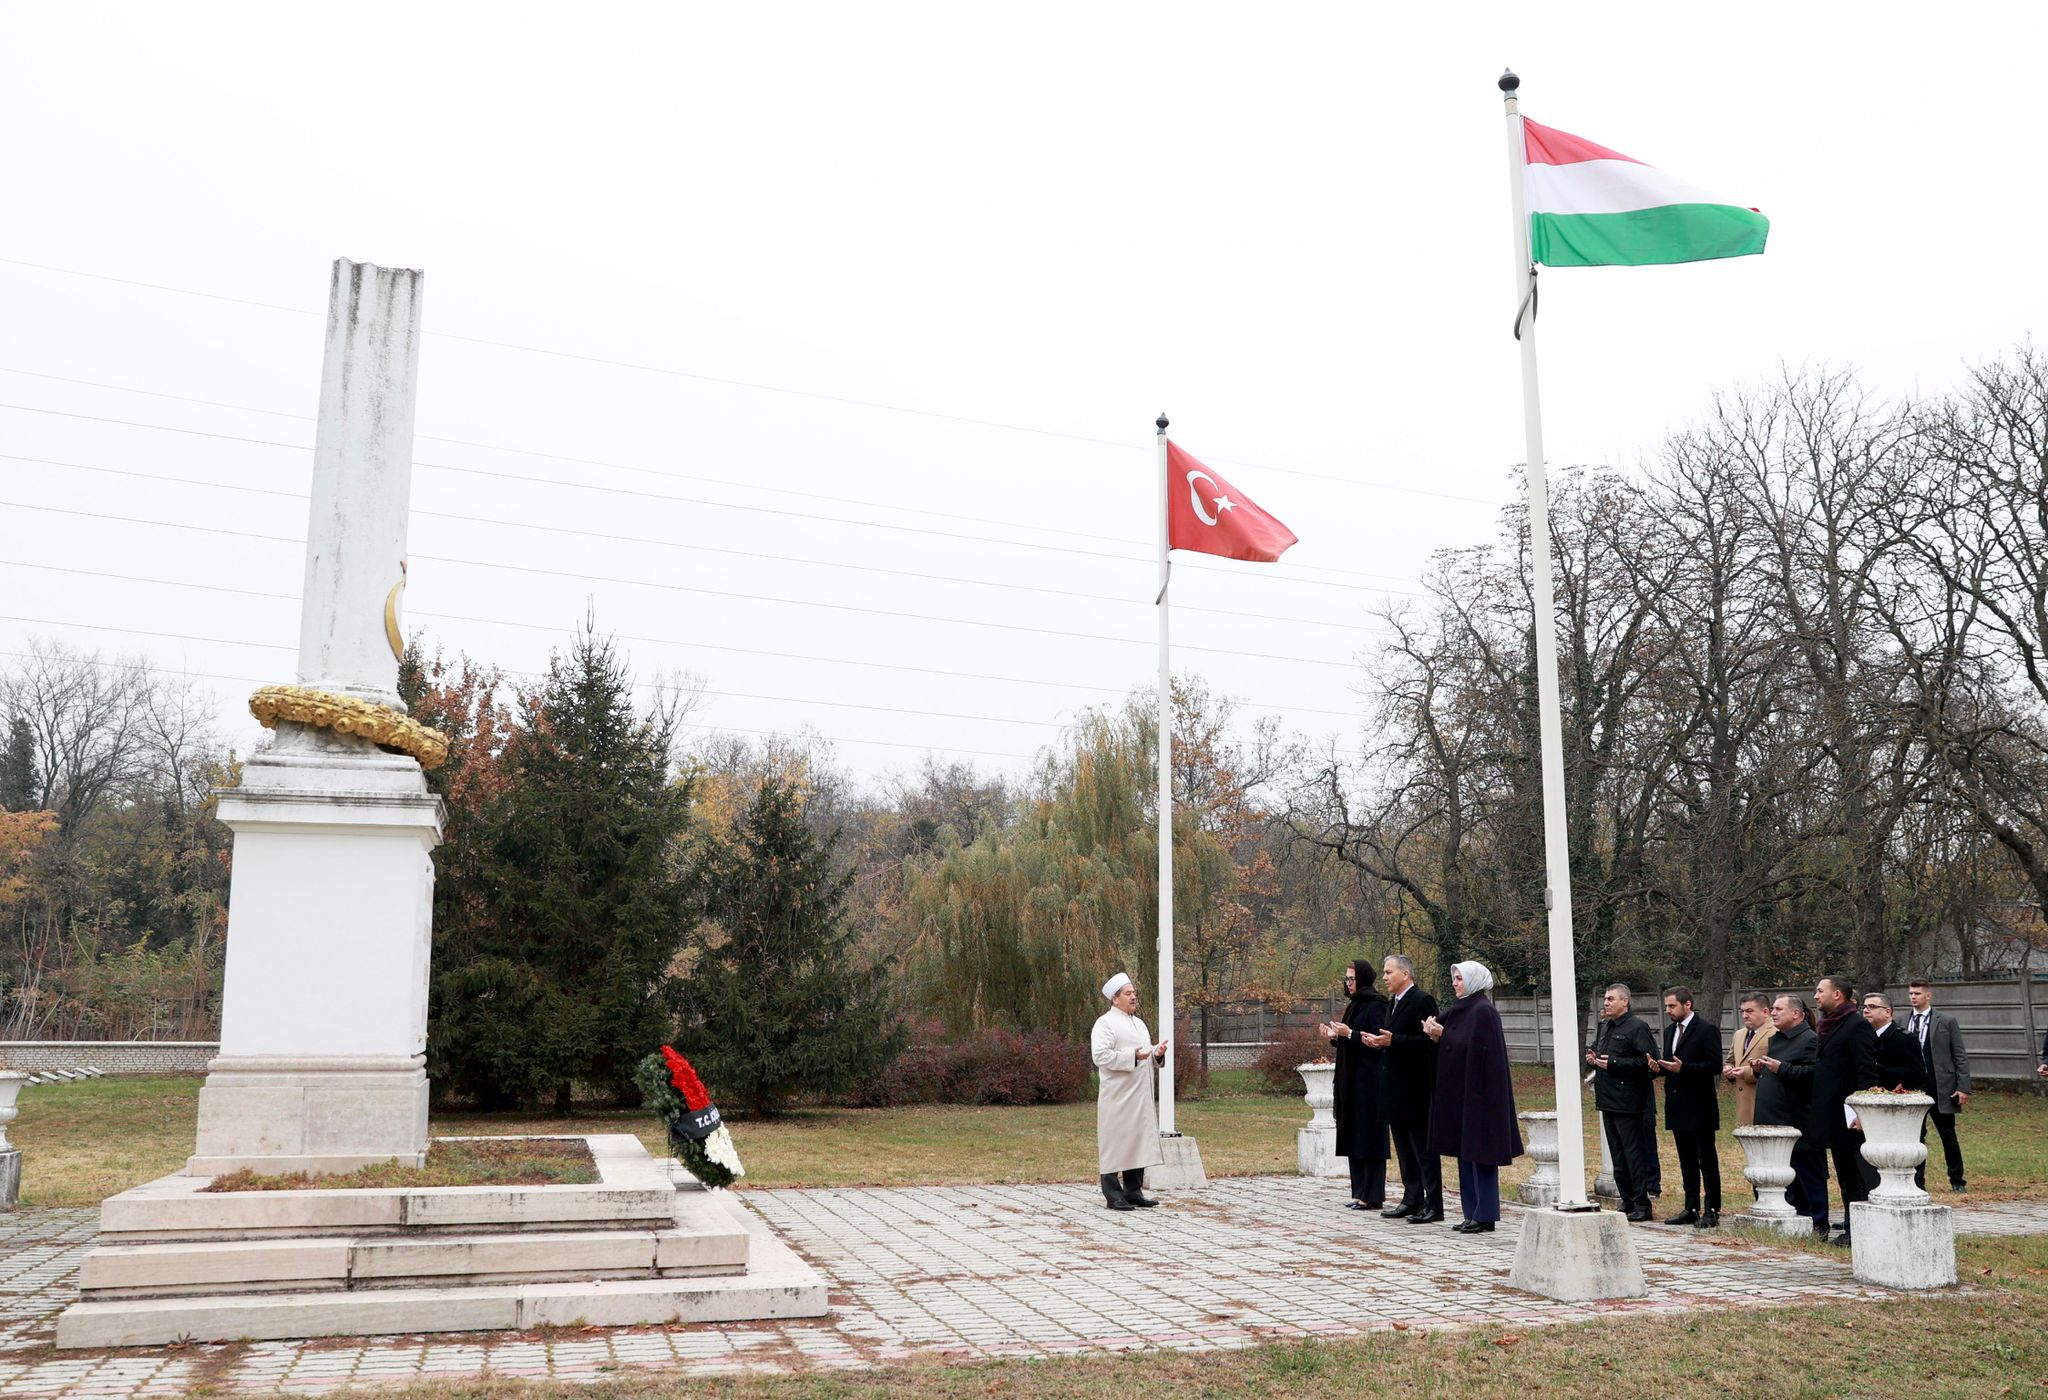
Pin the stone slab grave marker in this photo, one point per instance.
(324, 1018)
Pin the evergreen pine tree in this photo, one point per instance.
(18, 769)
(776, 1003)
(568, 906)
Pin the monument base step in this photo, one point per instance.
(777, 1283)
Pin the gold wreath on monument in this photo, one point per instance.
(344, 714)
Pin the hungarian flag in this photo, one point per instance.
(1592, 207)
(1205, 513)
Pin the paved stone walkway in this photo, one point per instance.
(974, 1271)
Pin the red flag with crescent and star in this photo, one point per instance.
(1207, 514)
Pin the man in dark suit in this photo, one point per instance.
(1407, 1084)
(1620, 1060)
(1846, 1063)
(1784, 1098)
(1899, 1065)
(1691, 1070)
(1948, 1077)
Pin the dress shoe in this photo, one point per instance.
(1427, 1217)
(1684, 1217)
(1374, 1205)
(1140, 1200)
(1480, 1227)
(1356, 1205)
(1708, 1221)
(1841, 1241)
(1398, 1212)
(1641, 1213)
(1119, 1203)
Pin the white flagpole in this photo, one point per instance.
(1564, 995)
(1165, 774)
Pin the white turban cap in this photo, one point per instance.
(1115, 985)
(1477, 978)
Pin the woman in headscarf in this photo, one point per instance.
(1361, 1130)
(1473, 1116)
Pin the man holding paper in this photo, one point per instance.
(1126, 1119)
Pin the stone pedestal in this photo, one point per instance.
(324, 1001)
(1604, 1188)
(1180, 1165)
(1577, 1256)
(1900, 1238)
(1768, 1150)
(1316, 1144)
(10, 1157)
(1903, 1246)
(1539, 1130)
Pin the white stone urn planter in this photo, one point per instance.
(1891, 1143)
(1316, 1144)
(1900, 1238)
(1768, 1148)
(11, 1081)
(1539, 1130)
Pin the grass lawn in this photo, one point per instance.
(85, 1140)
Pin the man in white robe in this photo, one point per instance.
(1126, 1119)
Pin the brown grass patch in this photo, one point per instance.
(450, 1162)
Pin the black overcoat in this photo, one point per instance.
(1408, 1075)
(1845, 1064)
(1623, 1088)
(1899, 1060)
(1361, 1127)
(1692, 1096)
(1784, 1096)
(1473, 1118)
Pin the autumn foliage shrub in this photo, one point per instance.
(1299, 1045)
(993, 1066)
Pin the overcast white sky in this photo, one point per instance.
(934, 267)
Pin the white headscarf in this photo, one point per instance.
(1123, 980)
(1477, 978)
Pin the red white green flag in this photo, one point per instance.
(1593, 207)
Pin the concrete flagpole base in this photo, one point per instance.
(1577, 1256)
(1180, 1165)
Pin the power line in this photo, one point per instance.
(680, 500)
(1268, 576)
(766, 388)
(680, 642)
(686, 724)
(697, 547)
(721, 694)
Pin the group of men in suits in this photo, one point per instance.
(1786, 1070)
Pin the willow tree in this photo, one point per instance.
(1021, 927)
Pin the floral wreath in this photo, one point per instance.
(696, 1132)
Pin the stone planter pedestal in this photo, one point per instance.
(1769, 1153)
(1539, 1130)
(10, 1156)
(1604, 1190)
(1316, 1144)
(1901, 1239)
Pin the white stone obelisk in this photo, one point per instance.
(324, 1003)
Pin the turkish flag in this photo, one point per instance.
(1205, 513)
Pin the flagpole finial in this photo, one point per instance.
(1509, 82)
(1162, 422)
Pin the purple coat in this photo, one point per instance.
(1473, 1117)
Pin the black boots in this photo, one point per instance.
(1134, 1189)
(1113, 1192)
